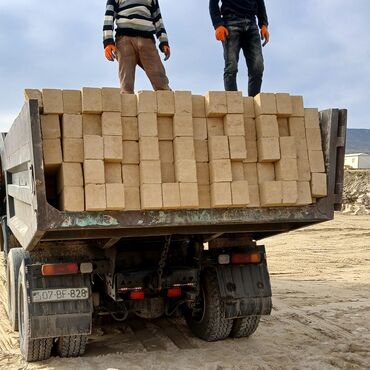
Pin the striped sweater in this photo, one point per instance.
(134, 18)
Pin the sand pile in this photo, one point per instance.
(356, 194)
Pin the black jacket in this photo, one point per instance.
(240, 8)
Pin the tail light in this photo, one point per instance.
(137, 295)
(174, 292)
(56, 269)
(241, 258)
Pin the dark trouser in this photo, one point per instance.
(243, 35)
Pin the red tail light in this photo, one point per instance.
(137, 295)
(55, 269)
(240, 258)
(174, 292)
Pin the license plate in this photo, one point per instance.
(56, 295)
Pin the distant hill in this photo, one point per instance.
(358, 141)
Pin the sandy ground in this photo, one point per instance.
(321, 317)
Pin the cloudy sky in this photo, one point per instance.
(319, 49)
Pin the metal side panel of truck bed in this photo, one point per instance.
(32, 219)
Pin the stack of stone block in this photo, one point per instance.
(174, 150)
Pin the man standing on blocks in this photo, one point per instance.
(137, 21)
(235, 25)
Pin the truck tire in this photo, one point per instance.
(31, 349)
(210, 324)
(15, 258)
(72, 346)
(245, 327)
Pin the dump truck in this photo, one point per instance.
(63, 268)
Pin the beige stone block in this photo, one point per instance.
(50, 126)
(111, 124)
(235, 104)
(319, 185)
(221, 195)
(265, 172)
(220, 170)
(296, 127)
(250, 173)
(183, 125)
(111, 99)
(268, 149)
(113, 148)
(234, 125)
(148, 124)
(151, 196)
(249, 111)
(93, 147)
(185, 170)
(165, 128)
(199, 106)
(183, 102)
(92, 100)
(130, 128)
(72, 199)
(200, 128)
(72, 102)
(252, 152)
(201, 150)
(218, 147)
(254, 196)
(304, 170)
(203, 173)
(238, 148)
(149, 148)
(301, 145)
(184, 148)
(250, 129)
(267, 126)
(265, 103)
(72, 126)
(131, 175)
(283, 124)
(115, 196)
(91, 124)
(33, 94)
(189, 197)
(113, 173)
(94, 171)
(73, 150)
(237, 169)
(171, 195)
(313, 136)
(146, 102)
(297, 106)
(304, 193)
(69, 174)
(284, 106)
(95, 197)
(131, 153)
(271, 193)
(168, 172)
(128, 105)
(288, 148)
(216, 103)
(132, 198)
(286, 169)
(204, 192)
(52, 101)
(240, 193)
(290, 192)
(311, 118)
(166, 103)
(215, 127)
(150, 172)
(166, 151)
(316, 158)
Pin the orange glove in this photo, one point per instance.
(221, 33)
(166, 52)
(110, 52)
(265, 35)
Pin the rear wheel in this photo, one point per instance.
(245, 327)
(72, 346)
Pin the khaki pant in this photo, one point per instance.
(133, 51)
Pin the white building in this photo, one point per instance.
(357, 161)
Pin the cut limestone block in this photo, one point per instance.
(296, 127)
(72, 102)
(218, 147)
(235, 104)
(290, 192)
(240, 193)
(94, 171)
(216, 103)
(132, 198)
(234, 125)
(168, 172)
(313, 136)
(283, 124)
(201, 151)
(237, 169)
(93, 147)
(301, 145)
(148, 124)
(72, 199)
(50, 126)
(250, 129)
(171, 195)
(319, 185)
(312, 118)
(221, 194)
(268, 149)
(265, 103)
(165, 128)
(131, 154)
(265, 172)
(316, 158)
(304, 193)
(150, 172)
(288, 147)
(131, 175)
(73, 150)
(128, 105)
(249, 111)
(33, 94)
(91, 124)
(215, 127)
(250, 173)
(200, 128)
(183, 125)
(115, 195)
(113, 148)
(166, 103)
(297, 106)
(189, 197)
(220, 170)
(146, 102)
(113, 173)
(149, 148)
(271, 193)
(252, 152)
(284, 106)
(130, 128)
(183, 102)
(238, 148)
(72, 126)
(204, 192)
(186, 170)
(111, 99)
(52, 101)
(199, 106)
(70, 174)
(111, 124)
(151, 196)
(92, 100)
(286, 169)
(203, 173)
(254, 196)
(184, 148)
(95, 197)
(267, 126)
(304, 170)
(166, 151)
